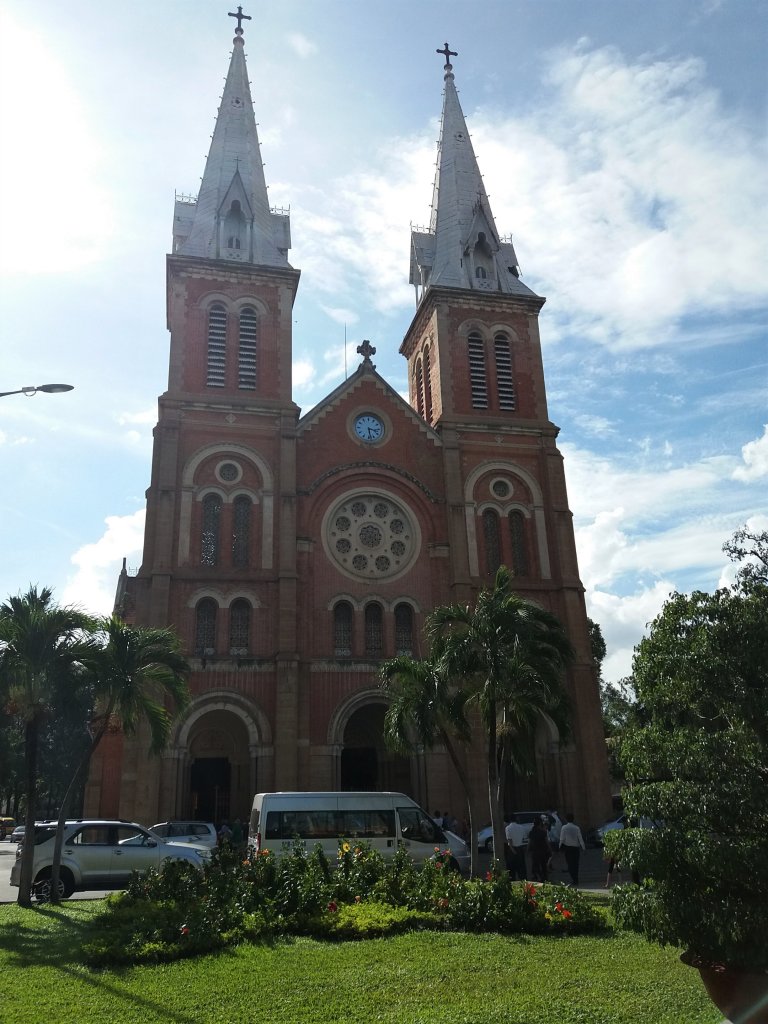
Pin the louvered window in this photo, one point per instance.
(374, 631)
(209, 553)
(419, 388)
(205, 627)
(241, 530)
(342, 630)
(504, 378)
(239, 628)
(217, 344)
(403, 629)
(477, 379)
(492, 541)
(519, 547)
(246, 360)
(427, 387)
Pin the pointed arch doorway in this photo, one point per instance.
(365, 762)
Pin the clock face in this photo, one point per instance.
(369, 428)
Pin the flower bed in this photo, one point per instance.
(181, 910)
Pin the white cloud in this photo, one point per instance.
(301, 45)
(76, 219)
(340, 314)
(623, 620)
(755, 455)
(98, 564)
(597, 426)
(303, 373)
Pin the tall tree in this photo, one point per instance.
(41, 644)
(425, 709)
(751, 550)
(511, 656)
(136, 672)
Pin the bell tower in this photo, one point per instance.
(476, 376)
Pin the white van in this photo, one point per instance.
(385, 820)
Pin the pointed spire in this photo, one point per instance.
(232, 219)
(461, 248)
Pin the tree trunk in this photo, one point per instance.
(497, 819)
(64, 808)
(24, 898)
(458, 765)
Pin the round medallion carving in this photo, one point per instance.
(371, 536)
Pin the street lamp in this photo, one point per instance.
(49, 389)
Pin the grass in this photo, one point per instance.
(445, 978)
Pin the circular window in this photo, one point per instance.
(370, 536)
(501, 488)
(228, 472)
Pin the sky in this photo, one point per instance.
(623, 145)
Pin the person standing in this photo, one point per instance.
(515, 834)
(541, 851)
(572, 843)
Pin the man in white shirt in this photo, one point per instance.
(516, 835)
(572, 843)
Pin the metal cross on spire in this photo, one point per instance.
(447, 53)
(240, 19)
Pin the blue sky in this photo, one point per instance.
(623, 145)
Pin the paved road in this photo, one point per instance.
(592, 874)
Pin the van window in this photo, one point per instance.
(329, 824)
(415, 825)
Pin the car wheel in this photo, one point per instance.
(41, 889)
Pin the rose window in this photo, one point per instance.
(371, 536)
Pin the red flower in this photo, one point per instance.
(488, 876)
(567, 913)
(184, 930)
(559, 906)
(443, 903)
(333, 907)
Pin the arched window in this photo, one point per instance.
(239, 628)
(403, 629)
(519, 546)
(241, 530)
(481, 273)
(209, 546)
(427, 387)
(505, 382)
(374, 631)
(205, 627)
(342, 630)
(419, 387)
(217, 343)
(477, 379)
(492, 545)
(246, 356)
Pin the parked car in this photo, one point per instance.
(596, 836)
(526, 818)
(97, 854)
(199, 833)
(7, 825)
(17, 836)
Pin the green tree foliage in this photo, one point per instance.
(136, 671)
(510, 656)
(427, 708)
(41, 648)
(696, 760)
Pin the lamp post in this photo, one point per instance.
(49, 389)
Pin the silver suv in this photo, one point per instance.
(199, 833)
(97, 854)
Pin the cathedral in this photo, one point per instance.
(294, 551)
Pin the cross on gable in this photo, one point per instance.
(366, 350)
(447, 53)
(240, 19)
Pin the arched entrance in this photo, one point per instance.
(365, 761)
(219, 768)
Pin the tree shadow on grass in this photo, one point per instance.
(27, 945)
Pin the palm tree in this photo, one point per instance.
(41, 645)
(136, 671)
(425, 709)
(511, 655)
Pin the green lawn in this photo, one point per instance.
(412, 979)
